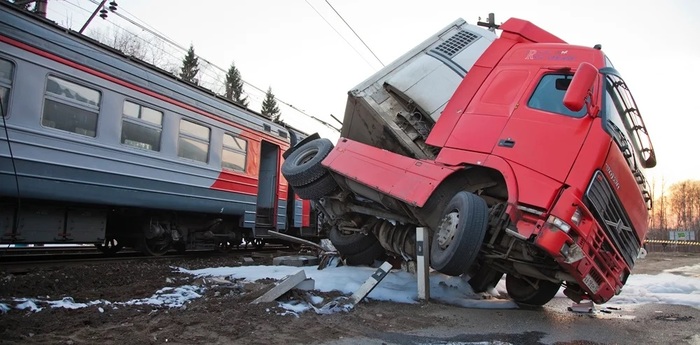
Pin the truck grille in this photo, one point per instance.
(607, 209)
(456, 43)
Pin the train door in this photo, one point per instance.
(265, 211)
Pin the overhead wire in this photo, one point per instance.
(339, 34)
(356, 35)
(133, 22)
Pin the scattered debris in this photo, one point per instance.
(247, 261)
(295, 260)
(283, 286)
(583, 307)
(307, 284)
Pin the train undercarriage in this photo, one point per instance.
(152, 232)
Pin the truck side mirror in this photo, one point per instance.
(575, 96)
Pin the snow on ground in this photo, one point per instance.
(675, 286)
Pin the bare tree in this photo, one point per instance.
(143, 47)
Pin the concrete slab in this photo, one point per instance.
(281, 287)
(295, 260)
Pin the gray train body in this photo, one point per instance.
(70, 171)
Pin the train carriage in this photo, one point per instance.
(96, 146)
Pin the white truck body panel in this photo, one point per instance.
(414, 88)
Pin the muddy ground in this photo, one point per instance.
(224, 314)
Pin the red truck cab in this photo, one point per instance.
(537, 173)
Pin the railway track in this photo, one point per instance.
(18, 260)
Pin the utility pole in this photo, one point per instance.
(92, 16)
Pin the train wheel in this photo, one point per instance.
(155, 246)
(258, 243)
(224, 247)
(110, 246)
(303, 166)
(530, 292)
(459, 234)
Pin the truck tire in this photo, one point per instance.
(303, 165)
(524, 293)
(317, 189)
(366, 257)
(459, 234)
(351, 243)
(483, 278)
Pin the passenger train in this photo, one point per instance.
(97, 147)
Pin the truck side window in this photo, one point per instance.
(549, 95)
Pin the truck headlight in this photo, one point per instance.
(559, 224)
(576, 217)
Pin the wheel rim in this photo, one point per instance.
(224, 247)
(157, 246)
(447, 229)
(109, 246)
(258, 242)
(306, 157)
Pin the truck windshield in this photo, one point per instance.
(623, 118)
(625, 125)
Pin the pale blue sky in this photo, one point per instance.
(287, 45)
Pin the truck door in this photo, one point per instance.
(268, 179)
(542, 134)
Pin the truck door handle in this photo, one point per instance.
(506, 142)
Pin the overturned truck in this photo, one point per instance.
(521, 154)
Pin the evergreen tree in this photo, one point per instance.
(190, 66)
(269, 106)
(234, 86)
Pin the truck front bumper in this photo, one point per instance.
(583, 249)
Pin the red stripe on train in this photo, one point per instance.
(232, 182)
(305, 213)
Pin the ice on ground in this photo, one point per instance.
(675, 286)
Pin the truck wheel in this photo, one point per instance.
(530, 292)
(459, 234)
(367, 256)
(303, 165)
(317, 189)
(484, 278)
(351, 243)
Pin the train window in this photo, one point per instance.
(234, 153)
(70, 107)
(6, 69)
(141, 126)
(193, 142)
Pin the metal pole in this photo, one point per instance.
(92, 16)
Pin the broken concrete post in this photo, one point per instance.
(281, 287)
(371, 282)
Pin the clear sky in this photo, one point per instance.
(289, 45)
